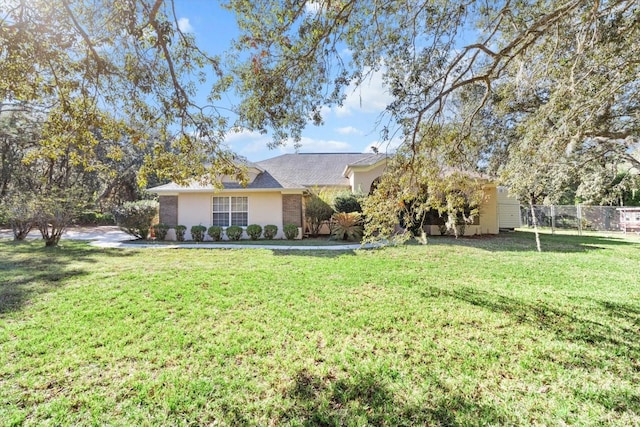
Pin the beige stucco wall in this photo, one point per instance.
(489, 212)
(361, 180)
(488, 223)
(197, 209)
(508, 209)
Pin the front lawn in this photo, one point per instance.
(469, 332)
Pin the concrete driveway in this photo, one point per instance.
(102, 234)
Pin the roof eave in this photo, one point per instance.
(163, 192)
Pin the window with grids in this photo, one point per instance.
(230, 211)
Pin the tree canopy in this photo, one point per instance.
(112, 71)
(537, 94)
(565, 71)
(541, 92)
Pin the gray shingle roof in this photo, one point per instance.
(294, 171)
(322, 169)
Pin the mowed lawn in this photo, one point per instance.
(470, 332)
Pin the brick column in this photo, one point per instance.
(292, 209)
(168, 210)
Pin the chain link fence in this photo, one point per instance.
(578, 217)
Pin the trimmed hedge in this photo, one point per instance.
(160, 230)
(290, 231)
(254, 231)
(215, 232)
(270, 231)
(234, 232)
(180, 230)
(197, 232)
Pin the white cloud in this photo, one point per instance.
(312, 7)
(254, 145)
(184, 25)
(325, 111)
(238, 134)
(313, 145)
(370, 97)
(348, 130)
(246, 142)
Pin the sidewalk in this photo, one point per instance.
(113, 237)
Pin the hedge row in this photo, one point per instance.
(216, 233)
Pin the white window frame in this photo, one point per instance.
(230, 207)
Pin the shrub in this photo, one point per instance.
(234, 232)
(20, 216)
(270, 231)
(160, 230)
(135, 218)
(254, 231)
(197, 232)
(317, 212)
(346, 226)
(105, 219)
(94, 218)
(347, 202)
(215, 232)
(290, 231)
(180, 230)
(4, 217)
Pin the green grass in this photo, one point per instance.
(469, 332)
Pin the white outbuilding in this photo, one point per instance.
(508, 210)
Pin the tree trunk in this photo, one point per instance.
(535, 224)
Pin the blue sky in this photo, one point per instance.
(350, 128)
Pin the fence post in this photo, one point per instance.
(553, 219)
(579, 215)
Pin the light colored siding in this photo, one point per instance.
(509, 215)
(361, 181)
(488, 222)
(196, 209)
(488, 212)
(266, 208)
(508, 209)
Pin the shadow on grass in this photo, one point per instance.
(28, 268)
(613, 327)
(625, 312)
(314, 253)
(524, 241)
(367, 399)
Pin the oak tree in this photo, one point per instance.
(558, 77)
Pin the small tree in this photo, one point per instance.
(317, 212)
(135, 218)
(347, 202)
(53, 213)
